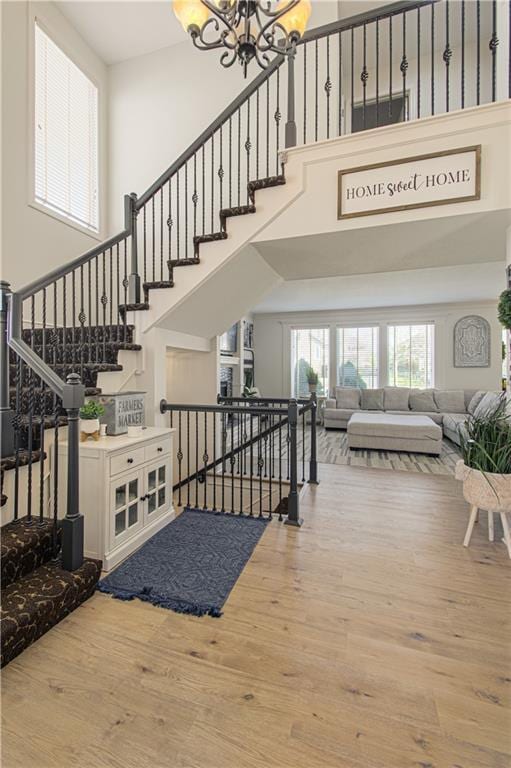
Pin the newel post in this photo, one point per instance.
(72, 524)
(313, 461)
(293, 509)
(130, 223)
(6, 413)
(290, 133)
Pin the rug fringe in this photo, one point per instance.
(178, 606)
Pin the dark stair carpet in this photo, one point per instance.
(36, 592)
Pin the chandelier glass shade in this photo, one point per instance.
(244, 29)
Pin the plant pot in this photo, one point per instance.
(485, 490)
(89, 428)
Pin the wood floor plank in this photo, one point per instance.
(369, 638)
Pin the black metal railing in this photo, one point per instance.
(244, 456)
(404, 61)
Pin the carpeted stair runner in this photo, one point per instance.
(36, 592)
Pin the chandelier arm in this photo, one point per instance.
(274, 16)
(225, 62)
(227, 18)
(261, 58)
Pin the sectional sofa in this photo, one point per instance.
(447, 408)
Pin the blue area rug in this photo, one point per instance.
(191, 565)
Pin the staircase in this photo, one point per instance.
(65, 333)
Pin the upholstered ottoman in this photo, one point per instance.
(389, 432)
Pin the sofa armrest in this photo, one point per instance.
(330, 403)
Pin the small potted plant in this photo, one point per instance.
(89, 420)
(312, 379)
(485, 468)
(248, 390)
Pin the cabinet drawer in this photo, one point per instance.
(127, 460)
(157, 450)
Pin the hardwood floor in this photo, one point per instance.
(370, 638)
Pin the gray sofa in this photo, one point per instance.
(447, 408)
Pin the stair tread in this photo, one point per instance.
(117, 345)
(24, 458)
(143, 305)
(35, 603)
(25, 546)
(237, 210)
(183, 262)
(210, 238)
(73, 366)
(152, 284)
(265, 183)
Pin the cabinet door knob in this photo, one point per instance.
(160, 449)
(130, 461)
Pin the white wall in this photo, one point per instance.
(33, 242)
(161, 102)
(272, 343)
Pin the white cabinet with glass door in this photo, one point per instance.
(125, 491)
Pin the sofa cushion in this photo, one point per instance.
(422, 400)
(487, 404)
(450, 400)
(372, 399)
(348, 397)
(433, 415)
(474, 401)
(338, 414)
(389, 425)
(396, 398)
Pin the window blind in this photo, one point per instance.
(358, 357)
(309, 348)
(411, 355)
(66, 135)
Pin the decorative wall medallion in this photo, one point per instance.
(472, 342)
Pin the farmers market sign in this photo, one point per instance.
(453, 176)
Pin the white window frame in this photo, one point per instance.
(405, 324)
(310, 327)
(34, 20)
(345, 327)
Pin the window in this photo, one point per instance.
(411, 355)
(66, 135)
(357, 357)
(309, 348)
(387, 112)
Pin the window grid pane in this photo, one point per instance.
(66, 135)
(358, 357)
(411, 355)
(309, 348)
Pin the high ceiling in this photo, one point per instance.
(119, 29)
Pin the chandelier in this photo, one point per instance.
(246, 29)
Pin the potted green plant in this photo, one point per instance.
(504, 309)
(312, 379)
(485, 468)
(89, 419)
(248, 390)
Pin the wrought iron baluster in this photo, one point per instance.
(73, 318)
(196, 468)
(118, 288)
(341, 91)
(81, 319)
(125, 283)
(280, 468)
(260, 463)
(328, 89)
(188, 472)
(391, 62)
(303, 446)
(104, 302)
(203, 158)
(56, 425)
(205, 459)
(213, 183)
(432, 59)
(42, 408)
(221, 171)
(305, 93)
(170, 223)
(267, 127)
(144, 240)
(17, 423)
(89, 312)
(278, 117)
(239, 156)
(316, 89)
(447, 55)
(233, 462)
(97, 328)
(364, 77)
(251, 471)
(178, 215)
(352, 76)
(224, 459)
(186, 210)
(404, 67)
(214, 462)
(240, 459)
(64, 322)
(230, 162)
(153, 236)
(111, 299)
(248, 146)
(161, 231)
(179, 456)
(270, 472)
(493, 45)
(195, 197)
(257, 134)
(418, 62)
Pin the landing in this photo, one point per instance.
(369, 638)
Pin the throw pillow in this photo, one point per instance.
(422, 400)
(474, 402)
(487, 404)
(348, 397)
(372, 399)
(450, 401)
(396, 398)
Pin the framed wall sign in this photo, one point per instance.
(472, 342)
(451, 176)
